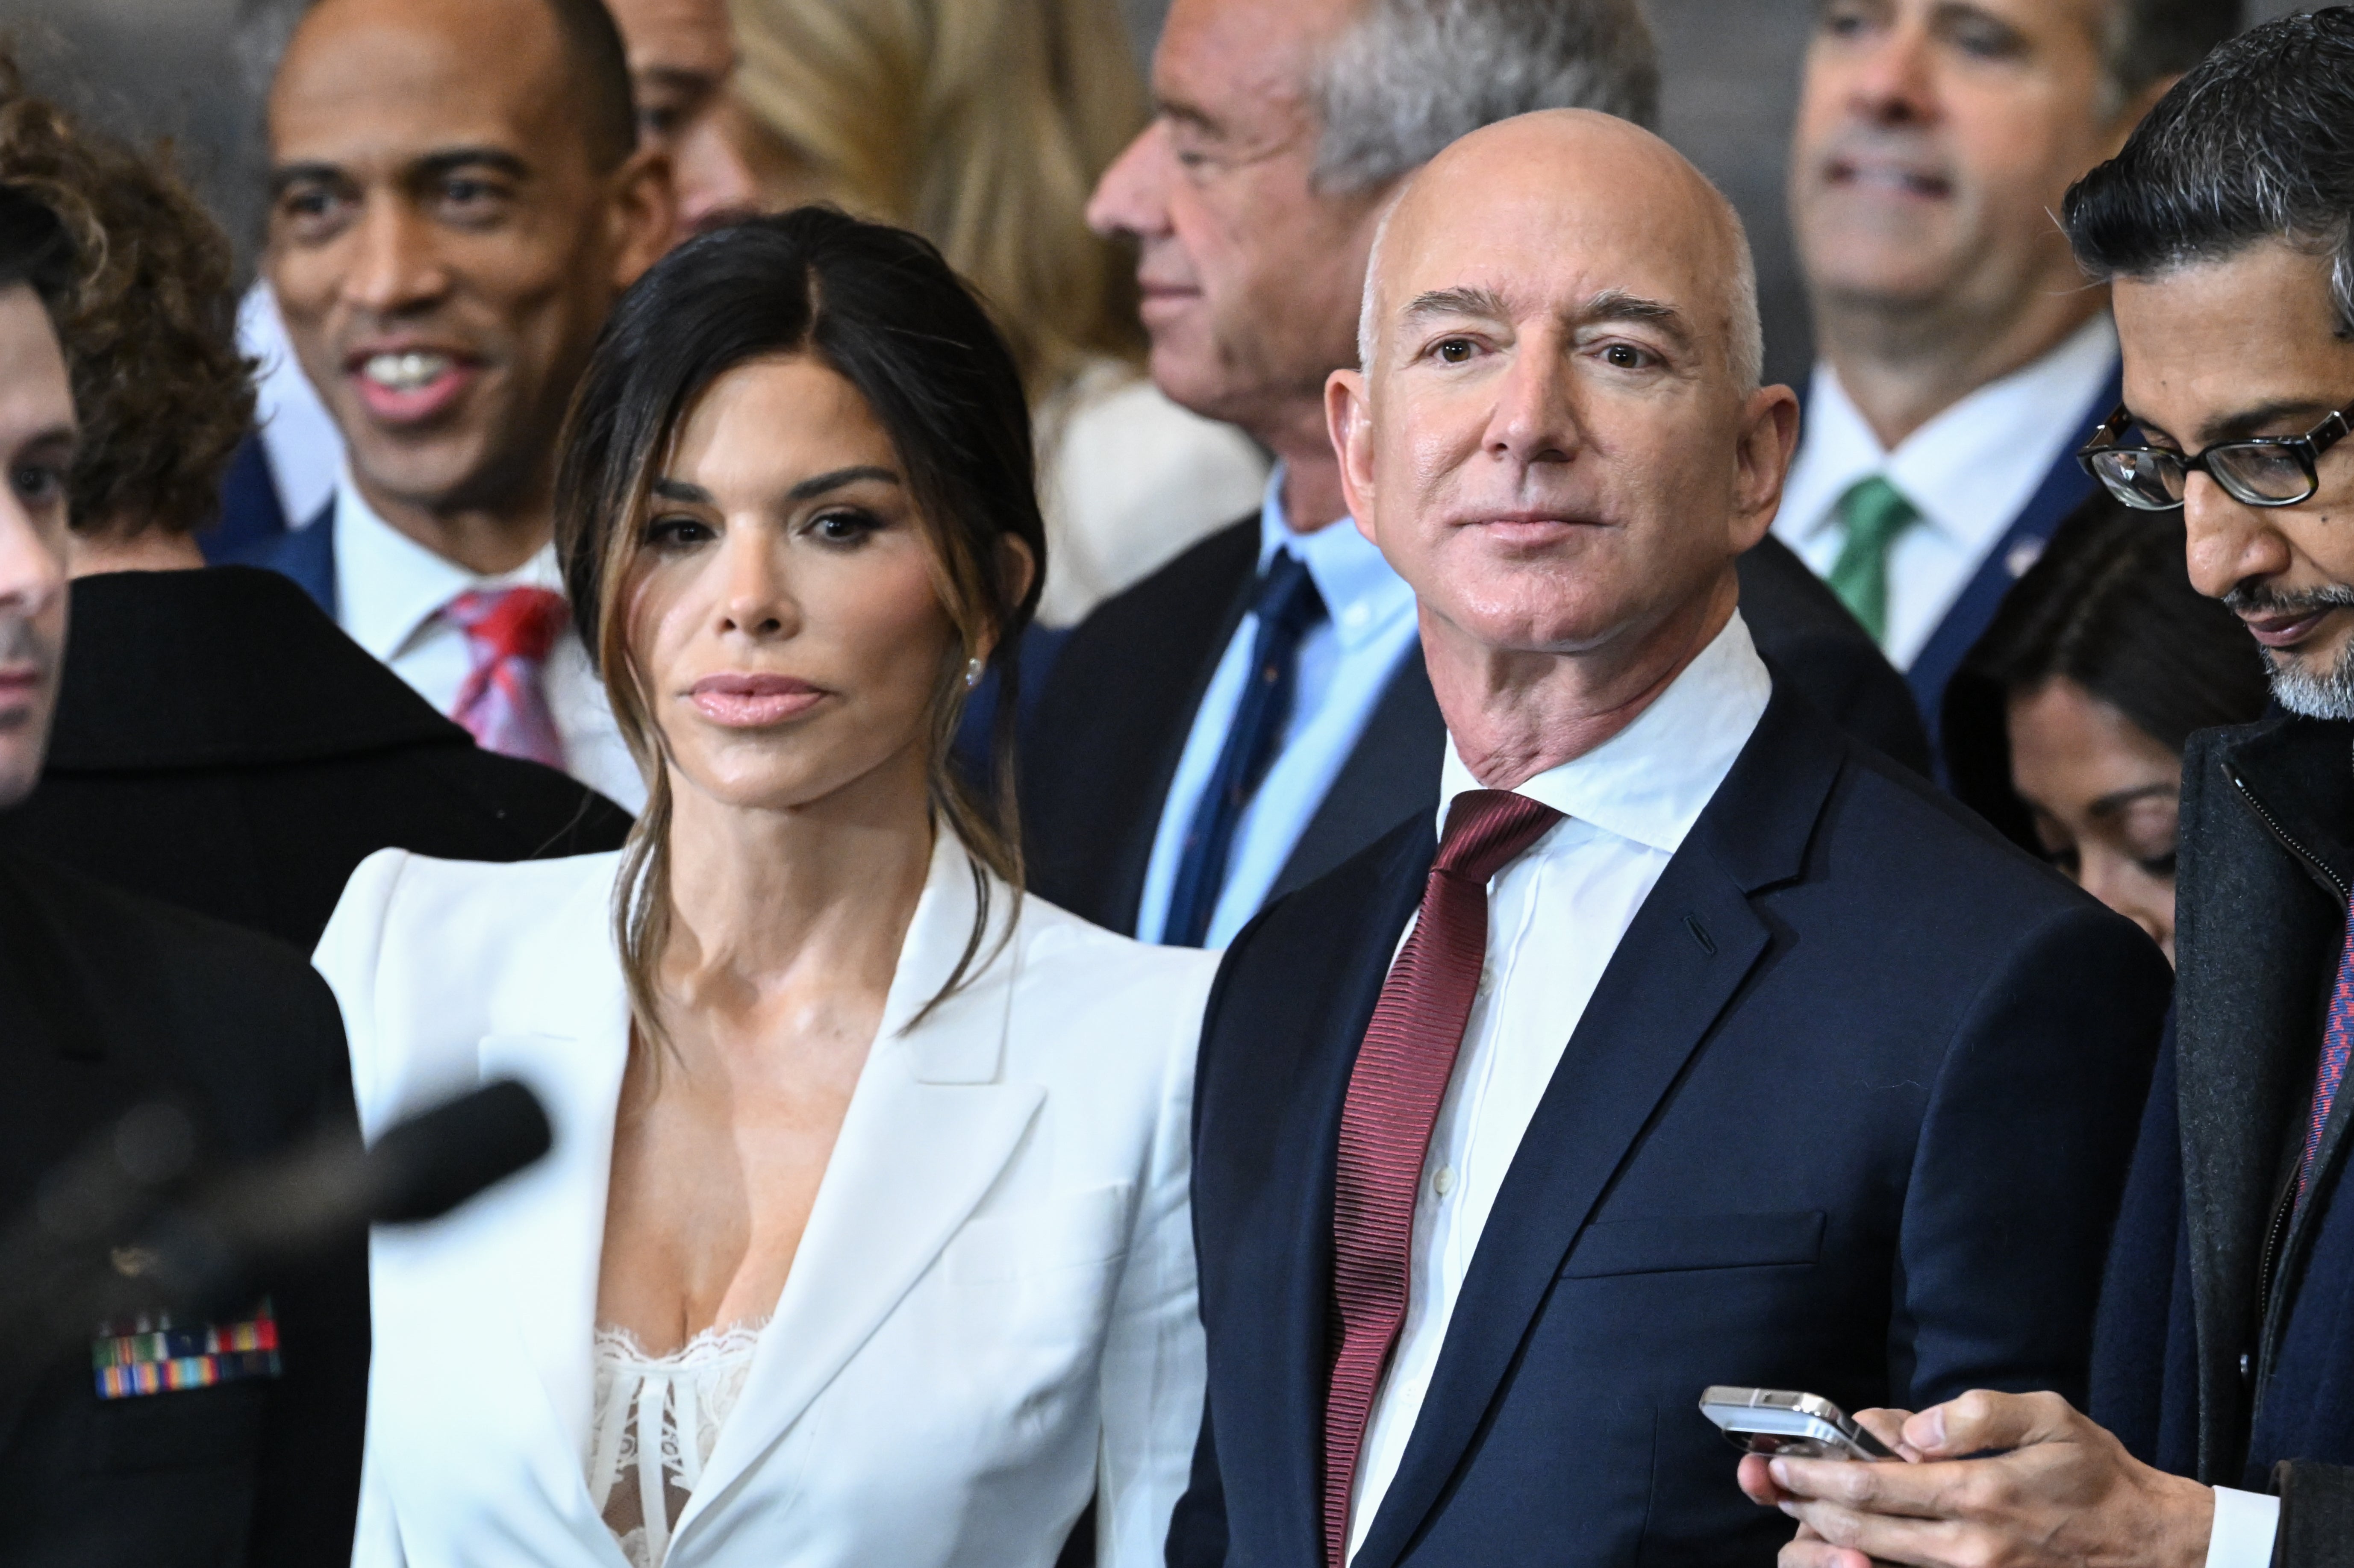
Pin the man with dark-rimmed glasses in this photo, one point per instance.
(2224, 1374)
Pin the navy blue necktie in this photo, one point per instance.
(1288, 606)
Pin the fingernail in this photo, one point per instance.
(1780, 1470)
(1935, 1419)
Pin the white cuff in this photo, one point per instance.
(2246, 1523)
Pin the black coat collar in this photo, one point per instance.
(2297, 775)
(229, 666)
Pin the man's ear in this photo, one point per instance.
(1348, 421)
(1762, 453)
(642, 215)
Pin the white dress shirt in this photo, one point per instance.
(1555, 916)
(1969, 471)
(1345, 665)
(2246, 1523)
(390, 592)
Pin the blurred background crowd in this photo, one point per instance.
(197, 70)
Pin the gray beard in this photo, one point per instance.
(2328, 694)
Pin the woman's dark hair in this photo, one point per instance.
(881, 309)
(2109, 606)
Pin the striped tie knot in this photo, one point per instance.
(1486, 831)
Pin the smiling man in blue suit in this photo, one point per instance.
(1698, 1043)
(1961, 358)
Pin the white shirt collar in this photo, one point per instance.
(1362, 592)
(389, 589)
(1972, 469)
(1650, 781)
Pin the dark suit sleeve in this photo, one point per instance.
(2317, 1518)
(1197, 1530)
(308, 1478)
(2145, 1358)
(2021, 1160)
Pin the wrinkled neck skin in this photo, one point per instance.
(1514, 714)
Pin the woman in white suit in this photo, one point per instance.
(865, 1237)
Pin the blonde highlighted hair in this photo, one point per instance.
(979, 124)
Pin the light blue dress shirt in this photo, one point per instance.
(1345, 665)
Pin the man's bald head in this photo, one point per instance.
(1575, 159)
(1557, 436)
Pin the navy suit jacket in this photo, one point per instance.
(307, 556)
(251, 515)
(1849, 1112)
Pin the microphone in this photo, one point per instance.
(424, 1166)
(105, 1242)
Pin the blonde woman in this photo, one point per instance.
(865, 1238)
(982, 124)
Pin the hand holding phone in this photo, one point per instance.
(1778, 1421)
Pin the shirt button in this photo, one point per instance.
(1487, 982)
(1444, 1182)
(1355, 616)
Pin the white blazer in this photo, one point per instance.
(991, 1314)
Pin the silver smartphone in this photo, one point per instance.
(1776, 1421)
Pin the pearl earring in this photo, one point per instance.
(972, 668)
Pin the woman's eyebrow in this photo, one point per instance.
(818, 484)
(680, 491)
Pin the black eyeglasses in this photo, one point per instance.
(2277, 471)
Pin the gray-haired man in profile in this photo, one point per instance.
(1257, 711)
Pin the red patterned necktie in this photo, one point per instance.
(1394, 1096)
(2336, 1046)
(503, 705)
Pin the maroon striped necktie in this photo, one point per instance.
(1393, 1096)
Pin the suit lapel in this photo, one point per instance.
(1679, 966)
(1173, 710)
(550, 1237)
(1291, 1227)
(2065, 486)
(1392, 772)
(1656, 1003)
(929, 1130)
(2256, 936)
(544, 1231)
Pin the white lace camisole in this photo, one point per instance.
(657, 1418)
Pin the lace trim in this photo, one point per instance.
(677, 1403)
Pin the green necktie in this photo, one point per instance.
(1873, 515)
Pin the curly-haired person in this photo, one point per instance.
(218, 742)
